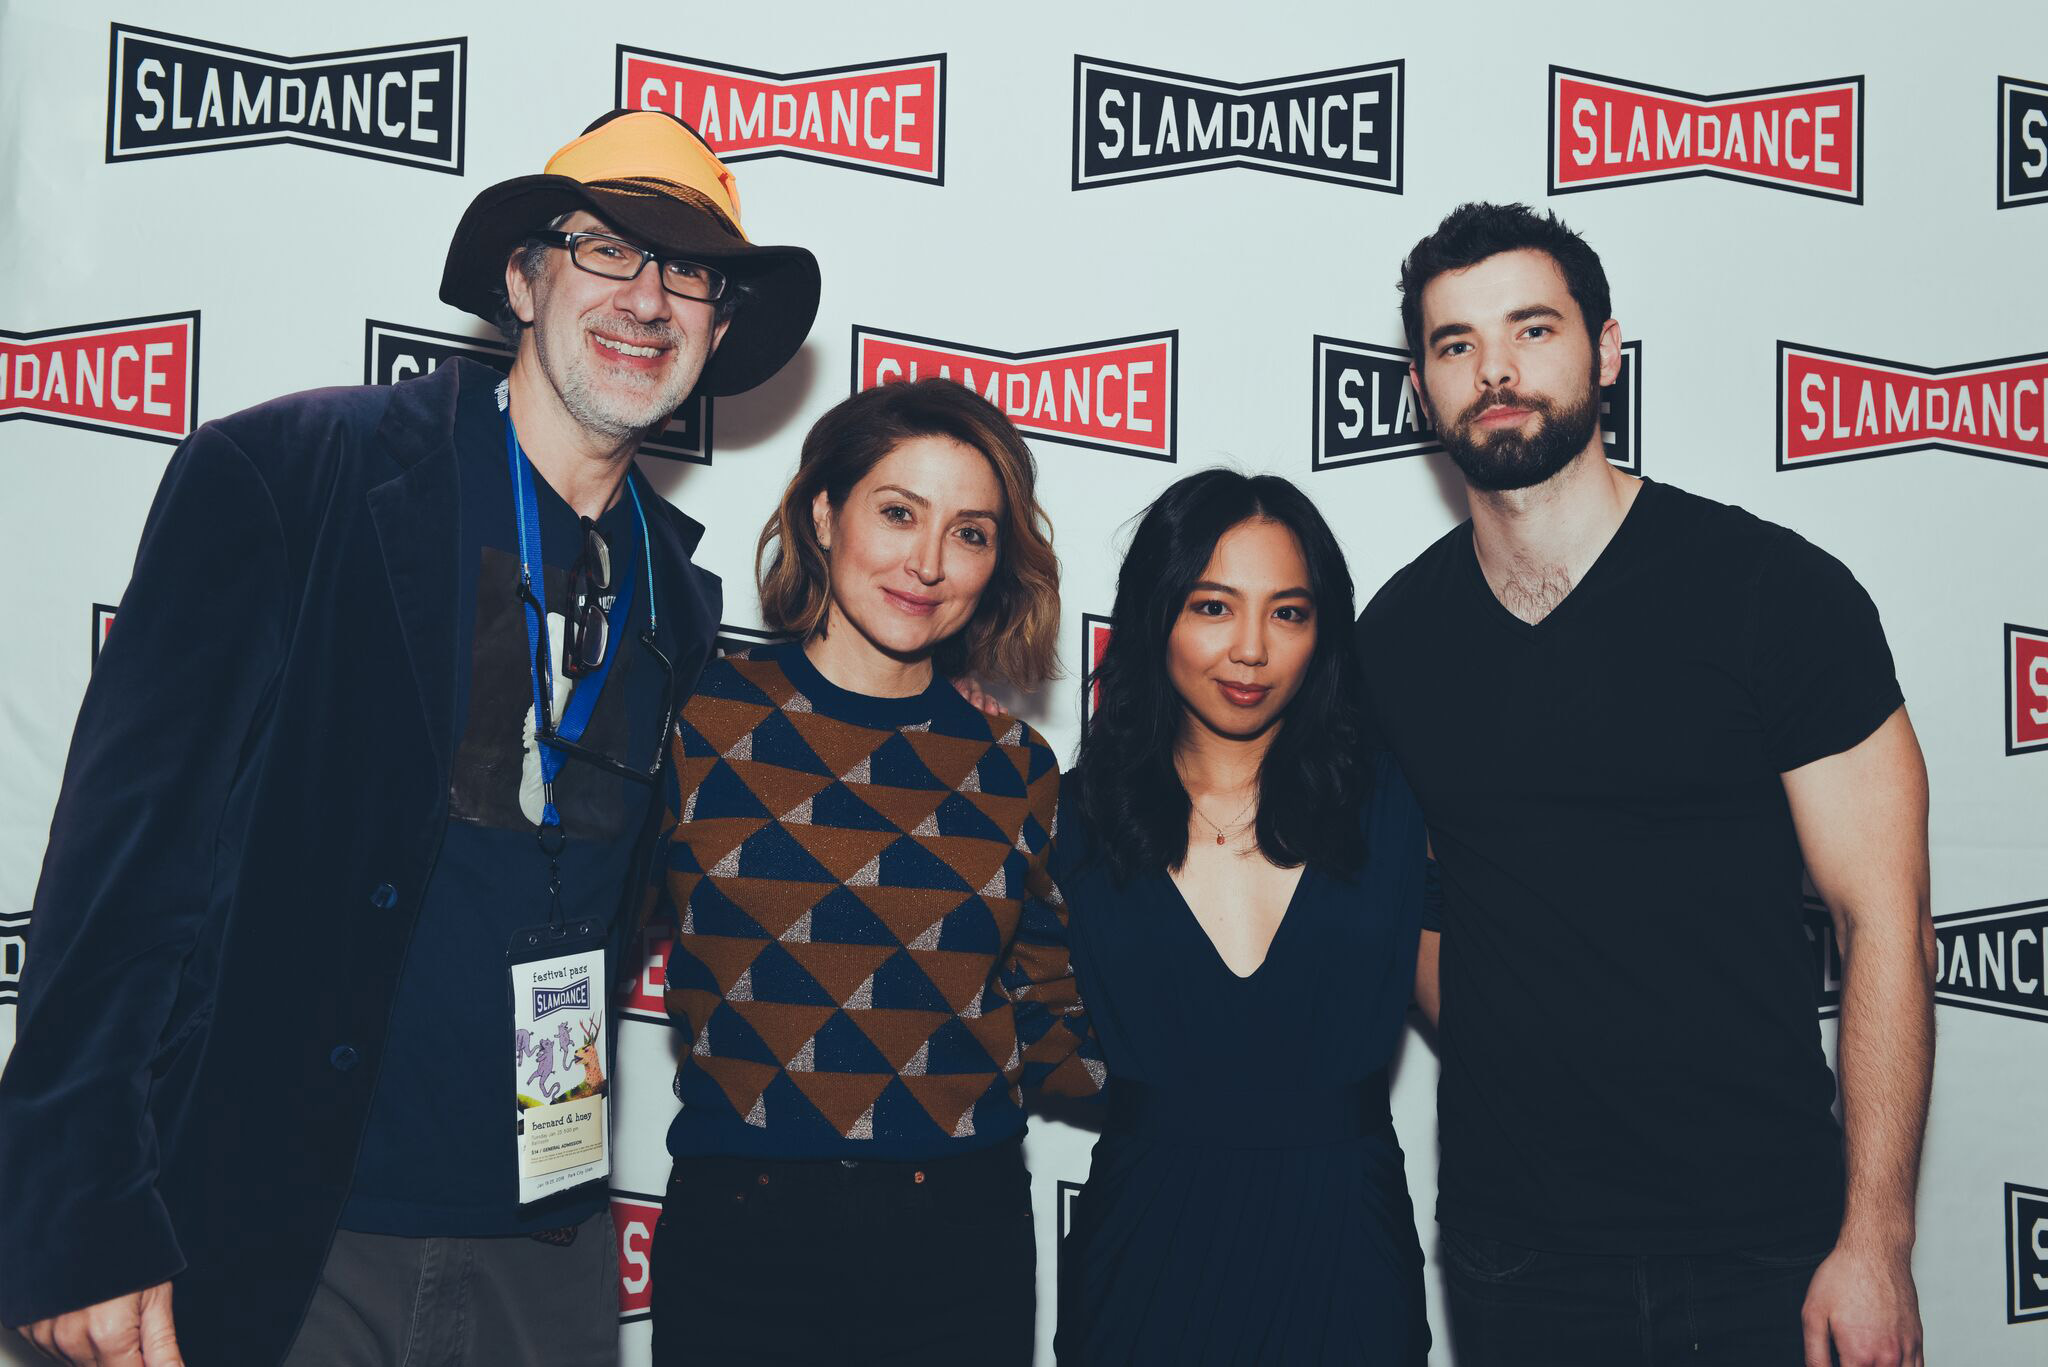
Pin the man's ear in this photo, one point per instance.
(1421, 394)
(718, 335)
(1610, 352)
(518, 289)
(821, 519)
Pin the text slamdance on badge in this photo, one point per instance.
(1807, 138)
(1121, 395)
(102, 623)
(168, 95)
(1835, 406)
(887, 117)
(1094, 641)
(2022, 142)
(2026, 1242)
(1141, 123)
(2026, 689)
(633, 1219)
(1365, 409)
(393, 352)
(1827, 957)
(135, 377)
(1993, 960)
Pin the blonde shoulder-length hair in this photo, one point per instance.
(1014, 631)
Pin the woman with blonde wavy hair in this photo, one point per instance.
(870, 962)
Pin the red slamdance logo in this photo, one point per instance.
(2026, 689)
(1120, 395)
(633, 1218)
(1834, 406)
(888, 117)
(643, 997)
(1807, 137)
(138, 377)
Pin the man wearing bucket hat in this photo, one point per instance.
(312, 1027)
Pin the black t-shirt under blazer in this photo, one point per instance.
(1631, 1054)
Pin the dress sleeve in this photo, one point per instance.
(1060, 1052)
(1824, 678)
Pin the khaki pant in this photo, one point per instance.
(388, 1301)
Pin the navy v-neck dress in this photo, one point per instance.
(1246, 1203)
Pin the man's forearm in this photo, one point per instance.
(1887, 1066)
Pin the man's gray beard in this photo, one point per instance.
(609, 415)
(1509, 460)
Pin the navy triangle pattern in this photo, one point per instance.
(958, 816)
(895, 765)
(898, 1113)
(693, 744)
(795, 1122)
(970, 928)
(839, 807)
(902, 986)
(907, 864)
(713, 913)
(722, 794)
(720, 680)
(842, 1047)
(776, 742)
(1041, 763)
(954, 1049)
(732, 1037)
(840, 918)
(779, 978)
(997, 775)
(772, 852)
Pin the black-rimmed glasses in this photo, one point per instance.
(614, 259)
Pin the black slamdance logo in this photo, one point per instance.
(169, 95)
(1992, 960)
(2026, 1263)
(1827, 957)
(1140, 123)
(2022, 142)
(1367, 411)
(393, 352)
(13, 949)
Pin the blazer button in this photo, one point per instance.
(385, 897)
(344, 1058)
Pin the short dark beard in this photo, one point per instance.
(1514, 460)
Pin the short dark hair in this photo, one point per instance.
(1471, 233)
(1316, 776)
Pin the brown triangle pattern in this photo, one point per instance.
(898, 1034)
(712, 839)
(949, 758)
(728, 957)
(844, 853)
(723, 721)
(958, 975)
(839, 969)
(941, 1098)
(840, 744)
(843, 1098)
(1007, 812)
(743, 1081)
(973, 858)
(773, 902)
(765, 676)
(908, 911)
(778, 788)
(906, 807)
(784, 1027)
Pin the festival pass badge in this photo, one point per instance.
(558, 1044)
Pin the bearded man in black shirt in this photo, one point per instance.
(1633, 716)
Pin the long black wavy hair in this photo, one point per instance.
(1314, 779)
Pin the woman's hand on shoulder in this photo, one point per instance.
(970, 688)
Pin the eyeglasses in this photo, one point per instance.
(604, 255)
(588, 630)
(545, 724)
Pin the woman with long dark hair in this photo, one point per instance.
(1243, 882)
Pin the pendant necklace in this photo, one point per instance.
(1237, 823)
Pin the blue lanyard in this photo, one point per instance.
(539, 656)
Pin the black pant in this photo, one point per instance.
(883, 1263)
(1518, 1307)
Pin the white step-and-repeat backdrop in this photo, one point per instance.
(1829, 258)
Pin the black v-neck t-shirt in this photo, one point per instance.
(1631, 1053)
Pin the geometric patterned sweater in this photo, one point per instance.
(870, 959)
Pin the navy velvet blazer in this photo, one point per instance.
(253, 801)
